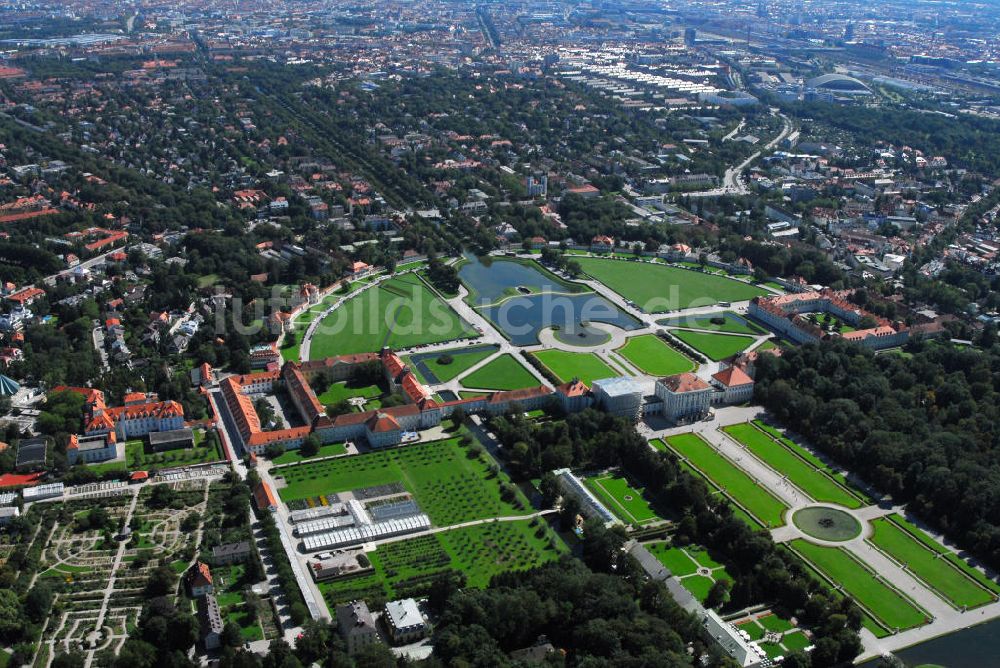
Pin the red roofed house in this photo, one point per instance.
(382, 430)
(574, 395)
(602, 244)
(26, 296)
(264, 497)
(735, 385)
(200, 580)
(684, 396)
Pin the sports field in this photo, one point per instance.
(588, 367)
(657, 288)
(731, 323)
(803, 475)
(400, 313)
(622, 499)
(651, 355)
(929, 565)
(448, 485)
(713, 346)
(502, 373)
(461, 359)
(885, 603)
(408, 567)
(760, 503)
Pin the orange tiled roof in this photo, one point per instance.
(684, 382)
(733, 377)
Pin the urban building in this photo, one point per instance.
(356, 626)
(619, 396)
(405, 622)
(685, 396)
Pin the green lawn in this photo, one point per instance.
(461, 360)
(346, 390)
(652, 356)
(929, 565)
(448, 485)
(502, 373)
(731, 323)
(674, 558)
(812, 459)
(658, 288)
(625, 501)
(408, 567)
(139, 455)
(957, 561)
(400, 313)
(291, 345)
(760, 503)
(884, 602)
(588, 367)
(292, 456)
(802, 474)
(713, 346)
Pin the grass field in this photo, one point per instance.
(802, 474)
(812, 459)
(885, 603)
(346, 390)
(731, 323)
(713, 346)
(293, 456)
(503, 373)
(448, 485)
(651, 355)
(929, 565)
(401, 312)
(658, 288)
(684, 562)
(755, 499)
(139, 455)
(460, 361)
(588, 367)
(407, 568)
(625, 501)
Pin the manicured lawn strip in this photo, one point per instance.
(753, 629)
(448, 485)
(502, 373)
(675, 559)
(700, 554)
(922, 561)
(400, 313)
(672, 288)
(461, 361)
(408, 567)
(755, 499)
(732, 323)
(956, 560)
(292, 456)
(813, 459)
(613, 490)
(814, 483)
(651, 355)
(713, 346)
(588, 367)
(883, 601)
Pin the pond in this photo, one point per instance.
(494, 289)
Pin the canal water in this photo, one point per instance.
(976, 647)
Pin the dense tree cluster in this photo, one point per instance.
(925, 429)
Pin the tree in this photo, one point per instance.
(161, 582)
(72, 659)
(298, 612)
(310, 446)
(274, 450)
(38, 602)
(11, 616)
(231, 636)
(718, 594)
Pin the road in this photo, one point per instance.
(732, 181)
